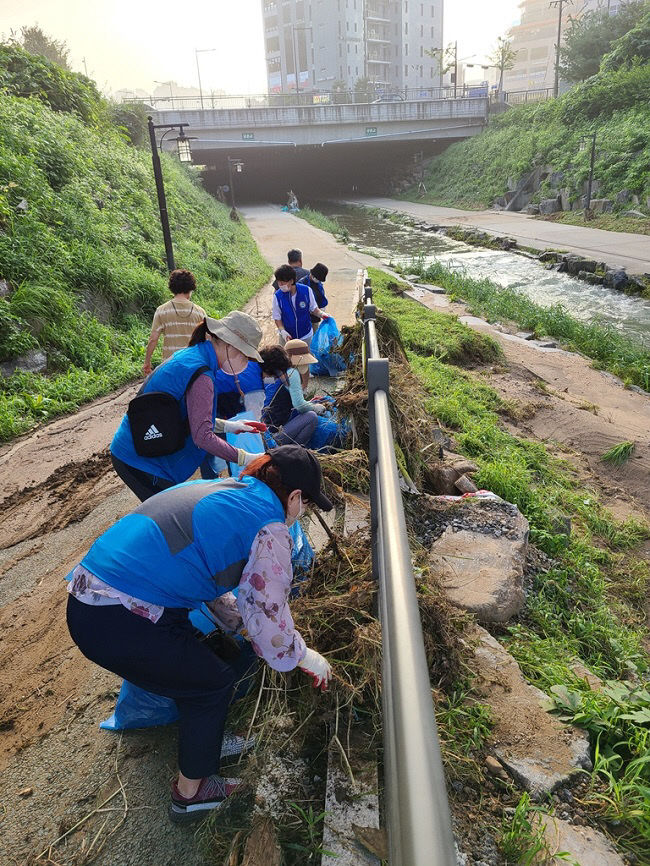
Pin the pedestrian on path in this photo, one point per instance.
(288, 416)
(175, 320)
(130, 597)
(315, 279)
(293, 306)
(294, 260)
(170, 427)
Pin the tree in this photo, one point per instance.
(634, 46)
(131, 117)
(503, 57)
(589, 38)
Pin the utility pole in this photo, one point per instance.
(85, 66)
(591, 173)
(455, 69)
(559, 4)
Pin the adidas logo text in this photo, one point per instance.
(153, 433)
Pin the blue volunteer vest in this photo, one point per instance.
(249, 380)
(297, 322)
(319, 291)
(186, 545)
(172, 377)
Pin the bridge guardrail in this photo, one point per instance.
(417, 809)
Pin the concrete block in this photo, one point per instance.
(583, 845)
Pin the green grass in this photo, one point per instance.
(429, 333)
(610, 351)
(85, 260)
(611, 222)
(575, 609)
(320, 221)
(619, 454)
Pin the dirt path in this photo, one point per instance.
(564, 400)
(59, 493)
(621, 249)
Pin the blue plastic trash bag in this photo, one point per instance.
(302, 554)
(251, 442)
(136, 708)
(324, 346)
(329, 432)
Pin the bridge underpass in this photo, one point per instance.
(322, 150)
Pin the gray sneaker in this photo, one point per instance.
(233, 745)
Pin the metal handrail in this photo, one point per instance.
(418, 816)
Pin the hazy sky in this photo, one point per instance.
(131, 43)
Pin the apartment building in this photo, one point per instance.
(316, 44)
(535, 37)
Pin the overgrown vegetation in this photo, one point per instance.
(320, 221)
(574, 608)
(81, 246)
(610, 350)
(475, 172)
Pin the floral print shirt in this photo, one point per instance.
(260, 612)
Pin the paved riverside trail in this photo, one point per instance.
(275, 232)
(622, 249)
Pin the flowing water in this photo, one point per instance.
(402, 245)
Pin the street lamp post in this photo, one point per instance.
(238, 166)
(171, 90)
(198, 51)
(584, 144)
(185, 155)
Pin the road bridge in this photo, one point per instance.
(327, 125)
(324, 149)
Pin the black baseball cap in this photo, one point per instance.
(300, 470)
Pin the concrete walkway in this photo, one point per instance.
(622, 249)
(275, 232)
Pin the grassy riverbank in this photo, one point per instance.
(610, 222)
(473, 173)
(609, 350)
(587, 605)
(320, 221)
(81, 247)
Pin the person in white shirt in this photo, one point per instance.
(293, 307)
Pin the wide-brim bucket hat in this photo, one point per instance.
(239, 330)
(299, 354)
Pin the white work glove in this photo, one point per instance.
(319, 408)
(317, 667)
(245, 457)
(284, 335)
(240, 427)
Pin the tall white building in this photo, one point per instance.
(339, 42)
(535, 37)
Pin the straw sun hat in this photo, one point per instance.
(299, 354)
(240, 331)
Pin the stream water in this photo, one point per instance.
(403, 245)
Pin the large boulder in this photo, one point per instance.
(480, 555)
(34, 361)
(602, 205)
(615, 278)
(549, 205)
(583, 845)
(535, 748)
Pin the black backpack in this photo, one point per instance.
(156, 420)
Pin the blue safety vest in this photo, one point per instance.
(249, 380)
(172, 377)
(317, 288)
(297, 322)
(186, 545)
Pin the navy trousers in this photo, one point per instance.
(167, 658)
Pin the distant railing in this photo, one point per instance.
(306, 97)
(519, 97)
(417, 809)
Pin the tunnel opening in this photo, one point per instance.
(315, 172)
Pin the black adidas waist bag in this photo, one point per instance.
(157, 423)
